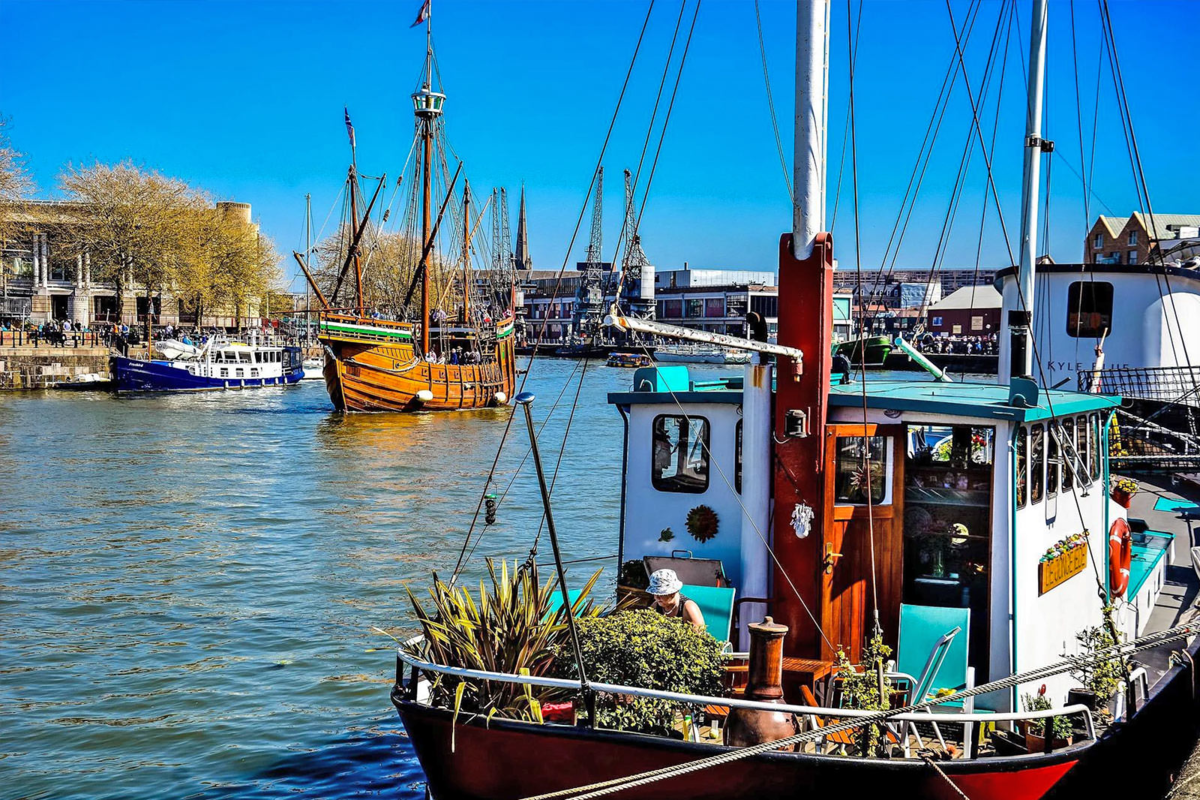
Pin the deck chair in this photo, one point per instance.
(841, 739)
(933, 647)
(716, 604)
(556, 601)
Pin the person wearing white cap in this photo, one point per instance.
(665, 586)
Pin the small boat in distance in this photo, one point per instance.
(699, 354)
(314, 369)
(877, 349)
(219, 364)
(628, 360)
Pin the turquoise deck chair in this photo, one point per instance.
(556, 600)
(716, 604)
(932, 653)
(921, 628)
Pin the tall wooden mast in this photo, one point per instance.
(466, 252)
(427, 105)
(353, 180)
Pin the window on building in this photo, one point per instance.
(936, 322)
(694, 307)
(1037, 462)
(16, 259)
(766, 305)
(714, 307)
(674, 309)
(976, 323)
(1022, 454)
(857, 458)
(1098, 241)
(1089, 308)
(1132, 238)
(680, 454)
(1053, 459)
(1131, 257)
(1114, 257)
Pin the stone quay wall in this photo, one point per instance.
(28, 367)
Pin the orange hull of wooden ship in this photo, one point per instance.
(373, 365)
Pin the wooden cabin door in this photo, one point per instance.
(847, 604)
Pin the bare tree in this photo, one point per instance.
(15, 185)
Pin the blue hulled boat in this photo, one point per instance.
(219, 365)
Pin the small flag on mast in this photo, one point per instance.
(349, 127)
(422, 15)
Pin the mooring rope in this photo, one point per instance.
(1068, 663)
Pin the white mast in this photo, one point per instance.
(1021, 321)
(812, 110)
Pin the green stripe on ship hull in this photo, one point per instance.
(396, 334)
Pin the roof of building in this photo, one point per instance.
(1166, 226)
(983, 296)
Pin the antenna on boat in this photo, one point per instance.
(1020, 319)
(525, 400)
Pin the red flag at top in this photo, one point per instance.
(349, 127)
(422, 15)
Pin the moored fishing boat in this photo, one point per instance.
(967, 526)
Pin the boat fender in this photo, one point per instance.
(500, 397)
(1120, 553)
(424, 396)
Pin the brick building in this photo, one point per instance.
(1134, 239)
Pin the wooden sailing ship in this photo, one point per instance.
(379, 358)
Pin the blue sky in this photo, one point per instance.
(245, 100)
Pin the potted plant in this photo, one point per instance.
(1061, 731)
(1099, 679)
(1123, 491)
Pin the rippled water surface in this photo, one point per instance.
(188, 583)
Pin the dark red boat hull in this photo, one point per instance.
(507, 761)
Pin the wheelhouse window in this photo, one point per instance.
(861, 469)
(1022, 455)
(1066, 435)
(680, 454)
(1089, 309)
(1094, 445)
(1037, 463)
(1053, 458)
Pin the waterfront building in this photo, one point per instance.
(41, 280)
(1138, 238)
(969, 311)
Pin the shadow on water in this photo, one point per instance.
(372, 760)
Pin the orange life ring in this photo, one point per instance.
(1120, 552)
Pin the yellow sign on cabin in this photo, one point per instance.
(1064, 566)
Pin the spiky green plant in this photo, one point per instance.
(509, 628)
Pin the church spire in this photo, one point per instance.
(521, 258)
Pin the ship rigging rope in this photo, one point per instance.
(553, 296)
(924, 155)
(1068, 664)
(762, 52)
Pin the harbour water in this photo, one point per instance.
(189, 582)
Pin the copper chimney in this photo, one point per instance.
(752, 726)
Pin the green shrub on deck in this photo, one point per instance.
(646, 649)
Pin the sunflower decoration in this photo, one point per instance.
(702, 523)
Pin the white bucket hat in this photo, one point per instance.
(664, 581)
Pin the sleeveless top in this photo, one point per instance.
(678, 612)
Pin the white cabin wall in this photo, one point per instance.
(1138, 338)
(648, 511)
(1047, 624)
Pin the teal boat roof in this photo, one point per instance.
(966, 399)
(670, 384)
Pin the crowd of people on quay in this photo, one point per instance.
(985, 345)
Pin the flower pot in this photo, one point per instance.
(1037, 744)
(1122, 497)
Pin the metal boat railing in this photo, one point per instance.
(956, 718)
(1163, 384)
